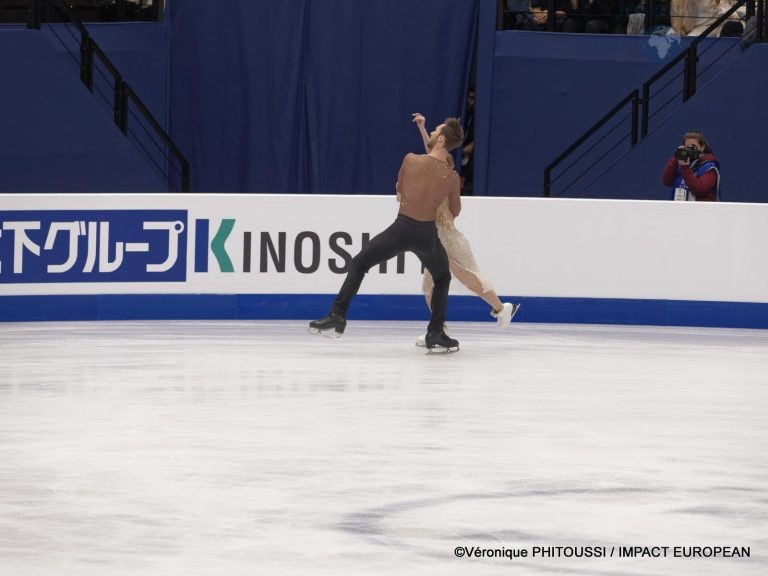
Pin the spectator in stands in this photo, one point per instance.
(573, 22)
(14, 12)
(468, 146)
(516, 14)
(693, 172)
(592, 17)
(538, 19)
(574, 16)
(749, 35)
(632, 17)
(734, 26)
(692, 17)
(140, 10)
(601, 16)
(732, 29)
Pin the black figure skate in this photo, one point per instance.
(331, 326)
(440, 342)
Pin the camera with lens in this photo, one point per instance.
(687, 153)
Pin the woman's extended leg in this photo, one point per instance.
(473, 283)
(503, 312)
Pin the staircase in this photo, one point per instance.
(102, 78)
(606, 144)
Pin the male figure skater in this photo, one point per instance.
(423, 183)
(462, 262)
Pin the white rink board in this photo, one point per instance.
(527, 246)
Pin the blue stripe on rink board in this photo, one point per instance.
(378, 307)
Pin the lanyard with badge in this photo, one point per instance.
(681, 193)
(688, 154)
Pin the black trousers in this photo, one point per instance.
(404, 235)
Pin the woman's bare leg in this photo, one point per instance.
(473, 283)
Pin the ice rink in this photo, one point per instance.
(254, 448)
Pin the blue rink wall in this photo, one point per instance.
(379, 307)
(218, 256)
(337, 107)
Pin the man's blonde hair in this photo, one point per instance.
(453, 133)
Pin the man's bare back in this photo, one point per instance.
(423, 183)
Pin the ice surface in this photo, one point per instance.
(234, 448)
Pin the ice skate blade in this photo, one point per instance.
(332, 334)
(437, 350)
(515, 310)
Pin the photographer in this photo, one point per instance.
(693, 172)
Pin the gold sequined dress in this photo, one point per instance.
(462, 261)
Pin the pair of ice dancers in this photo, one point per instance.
(428, 193)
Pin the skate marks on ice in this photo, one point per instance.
(602, 516)
(248, 447)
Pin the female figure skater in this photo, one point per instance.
(460, 258)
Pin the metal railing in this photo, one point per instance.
(640, 103)
(146, 131)
(633, 100)
(690, 58)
